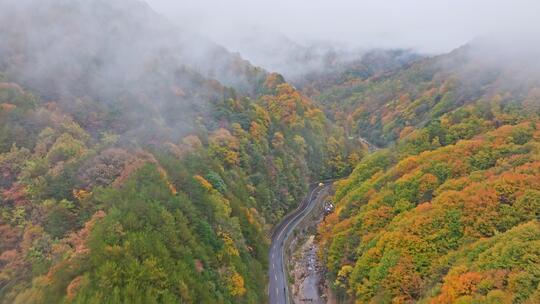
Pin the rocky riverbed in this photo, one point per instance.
(307, 274)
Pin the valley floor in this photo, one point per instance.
(307, 274)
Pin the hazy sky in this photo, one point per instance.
(426, 25)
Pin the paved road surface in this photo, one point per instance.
(371, 147)
(278, 286)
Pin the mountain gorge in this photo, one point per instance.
(143, 163)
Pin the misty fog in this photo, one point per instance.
(252, 27)
(149, 149)
(143, 52)
(116, 52)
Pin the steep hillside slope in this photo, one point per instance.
(99, 218)
(344, 68)
(449, 212)
(384, 105)
(121, 57)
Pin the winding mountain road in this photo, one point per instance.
(278, 287)
(371, 147)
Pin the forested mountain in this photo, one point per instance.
(344, 69)
(98, 58)
(382, 105)
(141, 163)
(448, 212)
(315, 65)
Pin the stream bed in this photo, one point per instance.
(307, 273)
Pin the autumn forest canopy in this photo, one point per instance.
(144, 163)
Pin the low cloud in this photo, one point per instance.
(425, 25)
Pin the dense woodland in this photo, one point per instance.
(449, 211)
(184, 221)
(140, 163)
(158, 184)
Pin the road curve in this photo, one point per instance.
(278, 288)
